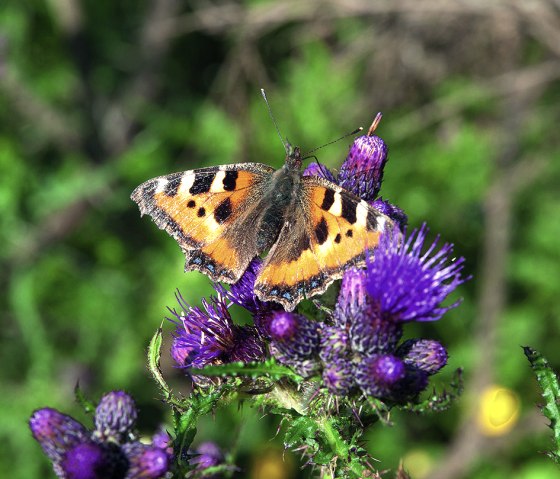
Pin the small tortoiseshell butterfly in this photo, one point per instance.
(310, 229)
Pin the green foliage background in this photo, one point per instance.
(97, 97)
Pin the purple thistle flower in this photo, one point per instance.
(406, 285)
(392, 211)
(425, 355)
(115, 416)
(211, 337)
(362, 172)
(85, 460)
(109, 452)
(372, 334)
(378, 375)
(338, 376)
(352, 300)
(146, 462)
(336, 356)
(243, 294)
(320, 170)
(334, 343)
(162, 440)
(295, 341)
(356, 312)
(208, 454)
(56, 432)
(90, 460)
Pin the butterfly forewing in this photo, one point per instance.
(211, 213)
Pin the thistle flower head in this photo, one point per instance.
(56, 432)
(362, 172)
(317, 169)
(243, 294)
(371, 334)
(392, 211)
(352, 300)
(295, 341)
(209, 336)
(206, 455)
(90, 460)
(338, 377)
(146, 462)
(405, 284)
(334, 343)
(115, 416)
(162, 440)
(425, 355)
(379, 374)
(111, 451)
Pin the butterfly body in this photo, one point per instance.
(310, 229)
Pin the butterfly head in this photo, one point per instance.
(293, 157)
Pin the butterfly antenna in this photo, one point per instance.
(352, 133)
(285, 143)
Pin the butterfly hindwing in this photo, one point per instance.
(206, 211)
(332, 230)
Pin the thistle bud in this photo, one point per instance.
(295, 341)
(338, 377)
(423, 354)
(380, 374)
(90, 460)
(115, 416)
(146, 462)
(372, 334)
(56, 432)
(352, 300)
(362, 172)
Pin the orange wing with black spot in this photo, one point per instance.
(332, 231)
(211, 212)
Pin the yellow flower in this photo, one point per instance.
(498, 411)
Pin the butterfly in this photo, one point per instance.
(309, 229)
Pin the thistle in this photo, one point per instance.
(110, 451)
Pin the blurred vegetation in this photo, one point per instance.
(97, 97)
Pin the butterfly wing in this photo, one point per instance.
(211, 213)
(331, 231)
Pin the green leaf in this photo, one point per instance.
(87, 405)
(269, 368)
(154, 355)
(548, 381)
(301, 434)
(186, 417)
(437, 402)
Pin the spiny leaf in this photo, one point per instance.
(301, 435)
(186, 419)
(548, 381)
(324, 441)
(439, 401)
(82, 400)
(381, 410)
(269, 368)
